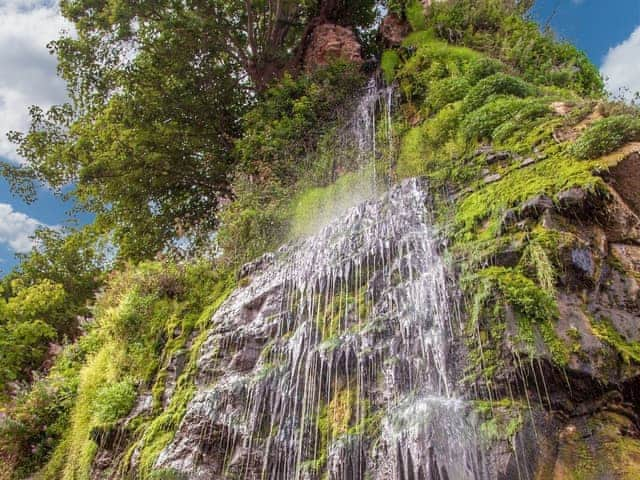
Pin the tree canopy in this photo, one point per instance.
(157, 92)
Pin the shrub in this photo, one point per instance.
(445, 91)
(496, 84)
(114, 401)
(498, 27)
(23, 346)
(415, 15)
(287, 122)
(482, 67)
(606, 135)
(388, 64)
(482, 122)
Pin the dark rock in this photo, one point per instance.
(583, 262)
(572, 199)
(509, 219)
(507, 257)
(536, 206)
(497, 157)
(482, 150)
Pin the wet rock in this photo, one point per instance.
(573, 199)
(246, 359)
(509, 219)
(536, 206)
(174, 370)
(583, 262)
(259, 264)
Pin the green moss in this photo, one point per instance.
(628, 350)
(415, 15)
(534, 304)
(143, 319)
(388, 64)
(412, 158)
(445, 91)
(519, 185)
(114, 401)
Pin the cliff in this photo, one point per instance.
(454, 291)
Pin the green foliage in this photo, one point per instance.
(496, 84)
(388, 64)
(531, 302)
(498, 28)
(414, 11)
(280, 153)
(114, 401)
(29, 320)
(605, 135)
(445, 91)
(286, 124)
(159, 106)
(23, 347)
(256, 222)
(75, 259)
(143, 317)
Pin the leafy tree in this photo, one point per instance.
(27, 325)
(157, 92)
(74, 259)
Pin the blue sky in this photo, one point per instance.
(607, 30)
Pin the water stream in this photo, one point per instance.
(335, 357)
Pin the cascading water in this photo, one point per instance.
(376, 102)
(334, 357)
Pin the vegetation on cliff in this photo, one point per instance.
(191, 143)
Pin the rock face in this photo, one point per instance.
(343, 356)
(330, 42)
(393, 30)
(337, 356)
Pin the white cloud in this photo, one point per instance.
(27, 70)
(621, 68)
(16, 229)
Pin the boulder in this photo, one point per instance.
(331, 42)
(393, 30)
(536, 206)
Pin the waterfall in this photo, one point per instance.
(376, 102)
(335, 355)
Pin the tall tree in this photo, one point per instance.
(157, 89)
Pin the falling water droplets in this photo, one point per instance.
(335, 355)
